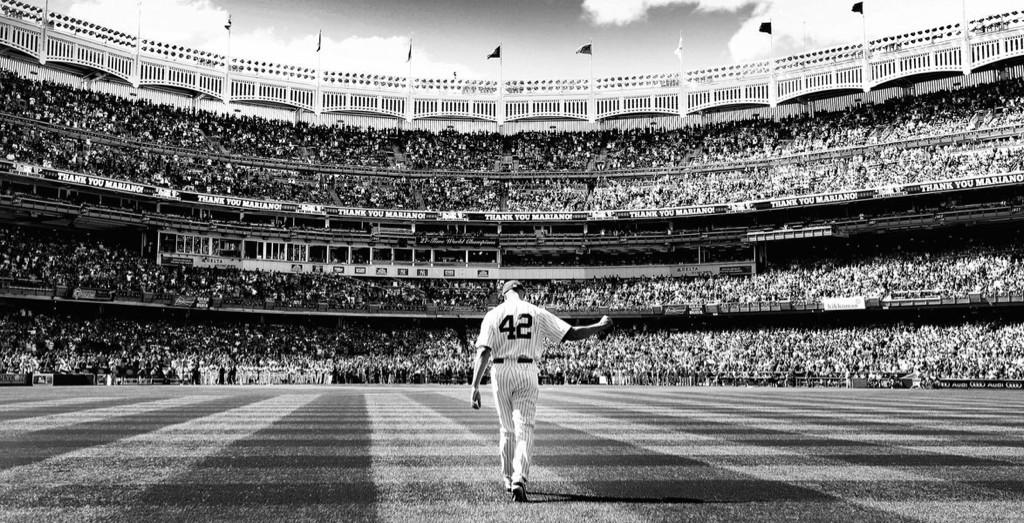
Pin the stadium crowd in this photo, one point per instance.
(40, 258)
(932, 114)
(741, 356)
(229, 353)
(873, 168)
(137, 134)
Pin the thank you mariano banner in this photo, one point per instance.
(163, 193)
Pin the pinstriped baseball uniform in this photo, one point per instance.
(517, 330)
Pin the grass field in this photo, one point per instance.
(420, 453)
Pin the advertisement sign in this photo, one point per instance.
(14, 380)
(84, 294)
(176, 260)
(855, 303)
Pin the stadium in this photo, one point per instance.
(238, 289)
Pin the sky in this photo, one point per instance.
(538, 37)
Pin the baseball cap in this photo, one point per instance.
(510, 285)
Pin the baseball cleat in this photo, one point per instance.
(519, 493)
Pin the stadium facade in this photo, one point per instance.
(800, 81)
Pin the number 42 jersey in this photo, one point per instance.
(517, 329)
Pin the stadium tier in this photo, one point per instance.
(49, 263)
(931, 142)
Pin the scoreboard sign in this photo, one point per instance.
(42, 379)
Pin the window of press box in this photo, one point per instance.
(403, 255)
(253, 250)
(189, 244)
(450, 257)
(381, 254)
(276, 251)
(339, 255)
(227, 248)
(167, 242)
(421, 256)
(318, 253)
(361, 255)
(299, 253)
(483, 256)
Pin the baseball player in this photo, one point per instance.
(512, 337)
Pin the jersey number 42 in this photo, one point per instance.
(516, 330)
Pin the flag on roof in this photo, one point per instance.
(496, 53)
(586, 49)
(228, 25)
(766, 27)
(858, 7)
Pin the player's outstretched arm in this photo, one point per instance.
(483, 355)
(586, 331)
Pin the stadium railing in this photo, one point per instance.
(171, 300)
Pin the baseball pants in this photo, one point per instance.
(515, 397)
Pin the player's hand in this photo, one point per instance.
(476, 398)
(605, 322)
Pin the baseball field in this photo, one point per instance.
(412, 453)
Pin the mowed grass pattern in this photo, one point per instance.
(412, 453)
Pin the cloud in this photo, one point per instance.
(622, 12)
(804, 24)
(200, 24)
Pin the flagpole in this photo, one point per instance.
(137, 77)
(593, 104)
(409, 110)
(965, 45)
(318, 103)
(591, 64)
(864, 30)
(500, 109)
(682, 78)
(866, 70)
(772, 86)
(227, 66)
(44, 25)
